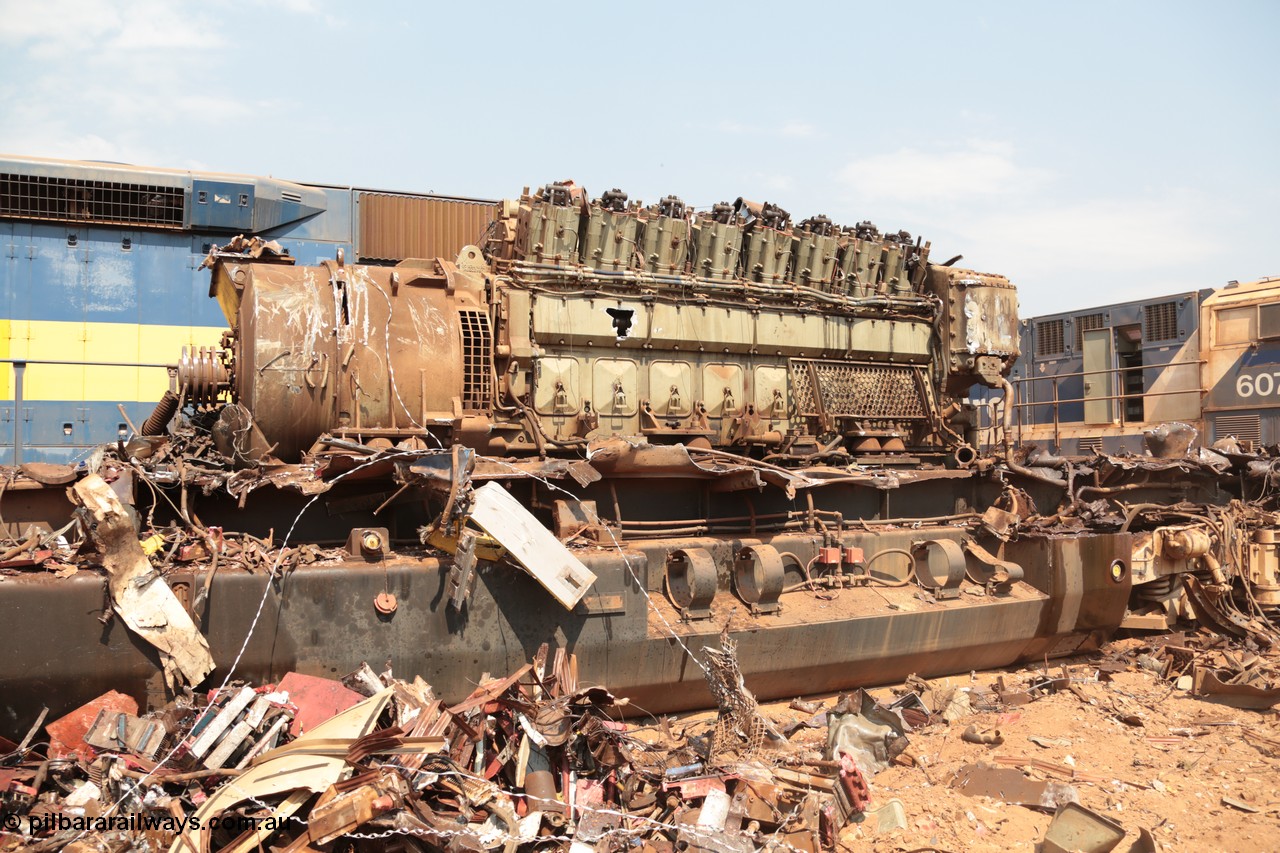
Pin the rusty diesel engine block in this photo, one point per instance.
(582, 320)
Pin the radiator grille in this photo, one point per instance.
(78, 200)
(477, 355)
(1160, 321)
(855, 390)
(1049, 337)
(1088, 323)
(1244, 427)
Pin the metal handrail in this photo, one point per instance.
(19, 373)
(1117, 372)
(1112, 369)
(1057, 400)
(26, 361)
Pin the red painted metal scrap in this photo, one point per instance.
(317, 699)
(66, 734)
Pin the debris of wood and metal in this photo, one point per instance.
(141, 599)
(529, 760)
(537, 760)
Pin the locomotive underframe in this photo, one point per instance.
(629, 632)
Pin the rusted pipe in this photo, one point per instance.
(668, 531)
(30, 542)
(343, 444)
(906, 304)
(1008, 445)
(688, 521)
(745, 460)
(936, 519)
(964, 456)
(793, 515)
(1127, 487)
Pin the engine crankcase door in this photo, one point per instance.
(557, 386)
(671, 391)
(616, 392)
(723, 389)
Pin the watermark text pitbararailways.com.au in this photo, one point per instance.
(39, 824)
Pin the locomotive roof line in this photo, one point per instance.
(127, 172)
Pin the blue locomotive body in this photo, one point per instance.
(1096, 379)
(100, 285)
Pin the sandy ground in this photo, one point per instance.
(1168, 774)
(1169, 767)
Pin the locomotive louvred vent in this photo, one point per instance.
(840, 389)
(477, 355)
(1243, 427)
(1160, 321)
(393, 227)
(1088, 323)
(1090, 445)
(78, 200)
(1049, 338)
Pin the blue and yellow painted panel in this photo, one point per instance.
(55, 340)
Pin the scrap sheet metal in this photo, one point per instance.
(143, 600)
(531, 545)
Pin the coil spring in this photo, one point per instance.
(158, 420)
(1157, 589)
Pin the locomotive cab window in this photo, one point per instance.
(1269, 321)
(1235, 325)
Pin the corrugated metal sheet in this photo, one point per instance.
(395, 227)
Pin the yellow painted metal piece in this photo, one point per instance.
(487, 548)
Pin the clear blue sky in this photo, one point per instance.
(1093, 152)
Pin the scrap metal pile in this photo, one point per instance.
(536, 760)
(530, 761)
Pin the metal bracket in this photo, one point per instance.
(997, 575)
(943, 567)
(691, 582)
(758, 577)
(371, 543)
